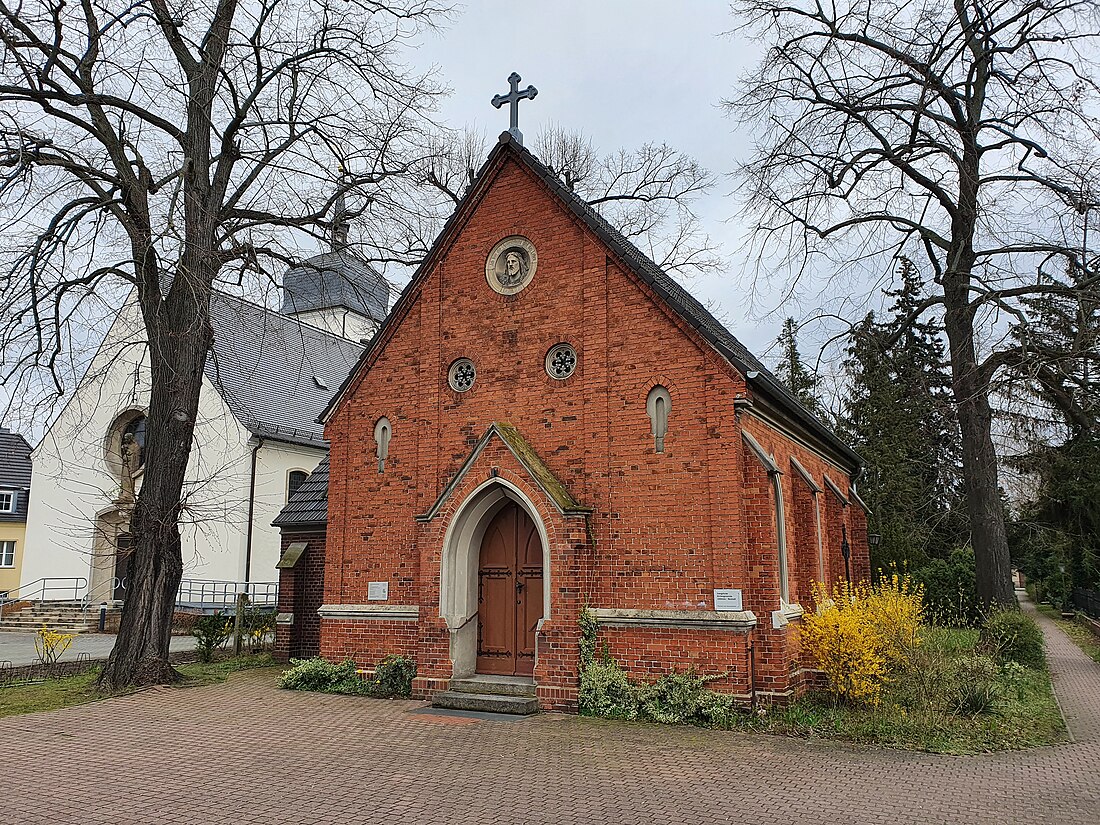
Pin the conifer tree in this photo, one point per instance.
(900, 418)
(792, 371)
(1055, 404)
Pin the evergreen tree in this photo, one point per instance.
(1056, 534)
(792, 370)
(900, 418)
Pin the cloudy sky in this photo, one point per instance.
(625, 73)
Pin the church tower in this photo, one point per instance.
(337, 290)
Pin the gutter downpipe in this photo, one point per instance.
(251, 512)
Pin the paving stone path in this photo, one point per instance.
(245, 752)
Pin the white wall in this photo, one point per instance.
(273, 464)
(340, 321)
(73, 484)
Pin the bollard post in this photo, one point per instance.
(102, 616)
(238, 623)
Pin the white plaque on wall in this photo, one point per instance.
(378, 591)
(727, 599)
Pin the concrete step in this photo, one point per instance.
(496, 685)
(35, 624)
(486, 702)
(15, 628)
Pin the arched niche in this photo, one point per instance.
(383, 431)
(658, 406)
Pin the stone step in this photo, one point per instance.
(34, 611)
(496, 685)
(486, 702)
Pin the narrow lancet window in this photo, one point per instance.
(657, 407)
(775, 476)
(382, 431)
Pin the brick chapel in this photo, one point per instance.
(548, 423)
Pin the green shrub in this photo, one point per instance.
(719, 710)
(1056, 590)
(1011, 636)
(605, 690)
(972, 688)
(674, 698)
(321, 675)
(212, 632)
(393, 677)
(950, 593)
(590, 630)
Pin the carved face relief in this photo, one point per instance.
(511, 265)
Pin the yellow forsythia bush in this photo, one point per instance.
(860, 633)
(50, 644)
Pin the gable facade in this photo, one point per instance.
(267, 378)
(650, 476)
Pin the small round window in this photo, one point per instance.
(461, 375)
(561, 361)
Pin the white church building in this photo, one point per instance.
(268, 377)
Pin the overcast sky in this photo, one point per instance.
(624, 73)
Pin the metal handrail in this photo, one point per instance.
(194, 592)
(37, 590)
(223, 594)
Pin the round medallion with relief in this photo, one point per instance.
(511, 265)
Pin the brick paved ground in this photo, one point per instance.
(244, 752)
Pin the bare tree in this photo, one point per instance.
(957, 134)
(647, 194)
(168, 145)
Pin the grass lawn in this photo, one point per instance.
(1081, 635)
(1022, 713)
(76, 690)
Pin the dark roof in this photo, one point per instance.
(688, 308)
(309, 504)
(338, 278)
(275, 373)
(15, 472)
(675, 296)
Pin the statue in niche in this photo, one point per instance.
(131, 463)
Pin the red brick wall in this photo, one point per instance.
(666, 529)
(649, 652)
(301, 593)
(367, 641)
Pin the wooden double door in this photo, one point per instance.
(510, 597)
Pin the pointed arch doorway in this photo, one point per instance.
(510, 593)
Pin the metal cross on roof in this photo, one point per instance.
(513, 98)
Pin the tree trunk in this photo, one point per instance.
(179, 339)
(979, 458)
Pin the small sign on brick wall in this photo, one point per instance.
(727, 599)
(378, 591)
